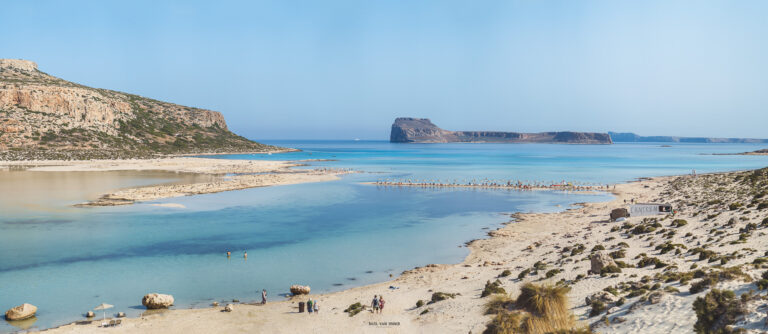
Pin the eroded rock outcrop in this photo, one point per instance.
(600, 260)
(422, 130)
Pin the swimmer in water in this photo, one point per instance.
(229, 253)
(245, 255)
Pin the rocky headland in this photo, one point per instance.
(45, 117)
(422, 130)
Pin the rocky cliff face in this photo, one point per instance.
(45, 116)
(421, 130)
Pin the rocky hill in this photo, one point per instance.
(45, 117)
(421, 130)
(628, 137)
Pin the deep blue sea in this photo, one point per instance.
(331, 235)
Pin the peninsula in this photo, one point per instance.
(43, 117)
(422, 130)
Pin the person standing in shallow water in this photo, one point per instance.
(263, 296)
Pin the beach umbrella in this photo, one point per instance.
(103, 307)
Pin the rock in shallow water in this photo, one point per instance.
(157, 301)
(300, 289)
(20, 312)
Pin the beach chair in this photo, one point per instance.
(118, 322)
(111, 323)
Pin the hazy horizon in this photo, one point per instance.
(346, 69)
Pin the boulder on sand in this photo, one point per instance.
(600, 260)
(157, 301)
(300, 289)
(21, 312)
(619, 213)
(229, 308)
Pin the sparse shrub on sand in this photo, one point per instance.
(679, 223)
(420, 303)
(610, 269)
(539, 265)
(598, 248)
(597, 308)
(702, 285)
(499, 304)
(647, 261)
(622, 264)
(716, 311)
(619, 254)
(354, 309)
(621, 301)
(505, 273)
(524, 273)
(552, 273)
(492, 288)
(439, 296)
(735, 206)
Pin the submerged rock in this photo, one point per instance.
(21, 312)
(157, 301)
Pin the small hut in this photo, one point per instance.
(649, 209)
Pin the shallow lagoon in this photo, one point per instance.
(328, 235)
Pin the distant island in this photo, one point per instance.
(43, 117)
(758, 152)
(628, 137)
(421, 130)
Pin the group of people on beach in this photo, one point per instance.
(377, 305)
(313, 306)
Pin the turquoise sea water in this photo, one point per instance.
(330, 235)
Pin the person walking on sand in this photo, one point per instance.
(314, 304)
(381, 304)
(375, 304)
(263, 296)
(309, 306)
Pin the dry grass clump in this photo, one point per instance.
(538, 309)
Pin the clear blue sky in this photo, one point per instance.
(346, 69)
